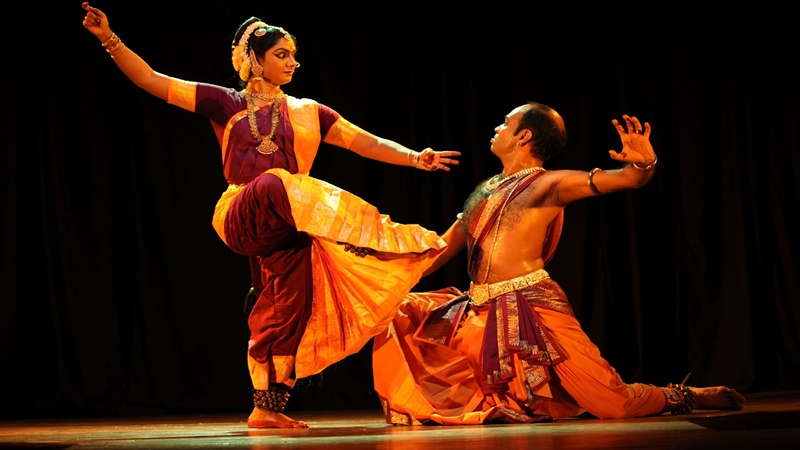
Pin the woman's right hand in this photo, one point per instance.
(133, 66)
(96, 22)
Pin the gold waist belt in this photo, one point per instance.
(482, 293)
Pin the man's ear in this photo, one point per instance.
(524, 137)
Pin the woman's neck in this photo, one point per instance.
(263, 86)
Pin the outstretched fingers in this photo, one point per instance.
(443, 158)
(620, 156)
(619, 128)
(646, 130)
(635, 137)
(615, 155)
(632, 126)
(636, 127)
(431, 160)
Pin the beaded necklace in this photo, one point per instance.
(267, 143)
(499, 179)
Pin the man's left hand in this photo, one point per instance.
(636, 147)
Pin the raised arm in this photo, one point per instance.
(370, 146)
(637, 153)
(129, 62)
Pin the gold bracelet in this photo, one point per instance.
(113, 47)
(111, 38)
(647, 167)
(413, 158)
(591, 182)
(113, 56)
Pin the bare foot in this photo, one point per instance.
(262, 418)
(717, 397)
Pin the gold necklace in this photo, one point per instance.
(267, 145)
(498, 179)
(262, 96)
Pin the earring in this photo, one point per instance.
(255, 67)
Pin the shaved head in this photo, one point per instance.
(546, 126)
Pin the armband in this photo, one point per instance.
(591, 182)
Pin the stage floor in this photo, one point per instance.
(768, 421)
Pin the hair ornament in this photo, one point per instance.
(244, 71)
(240, 57)
(285, 33)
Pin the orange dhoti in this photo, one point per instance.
(520, 356)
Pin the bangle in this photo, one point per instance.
(113, 46)
(111, 38)
(114, 55)
(111, 42)
(413, 158)
(591, 183)
(648, 166)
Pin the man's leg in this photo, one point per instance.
(591, 382)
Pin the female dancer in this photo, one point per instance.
(328, 269)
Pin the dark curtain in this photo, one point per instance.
(117, 297)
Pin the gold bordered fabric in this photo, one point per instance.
(182, 93)
(482, 293)
(304, 117)
(440, 325)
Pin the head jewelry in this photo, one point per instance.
(243, 60)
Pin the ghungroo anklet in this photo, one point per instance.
(680, 399)
(358, 251)
(688, 399)
(273, 399)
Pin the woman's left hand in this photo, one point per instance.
(430, 160)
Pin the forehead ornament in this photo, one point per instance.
(280, 30)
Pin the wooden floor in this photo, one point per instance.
(769, 421)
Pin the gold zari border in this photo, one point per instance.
(182, 93)
(482, 293)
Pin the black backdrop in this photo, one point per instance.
(117, 297)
